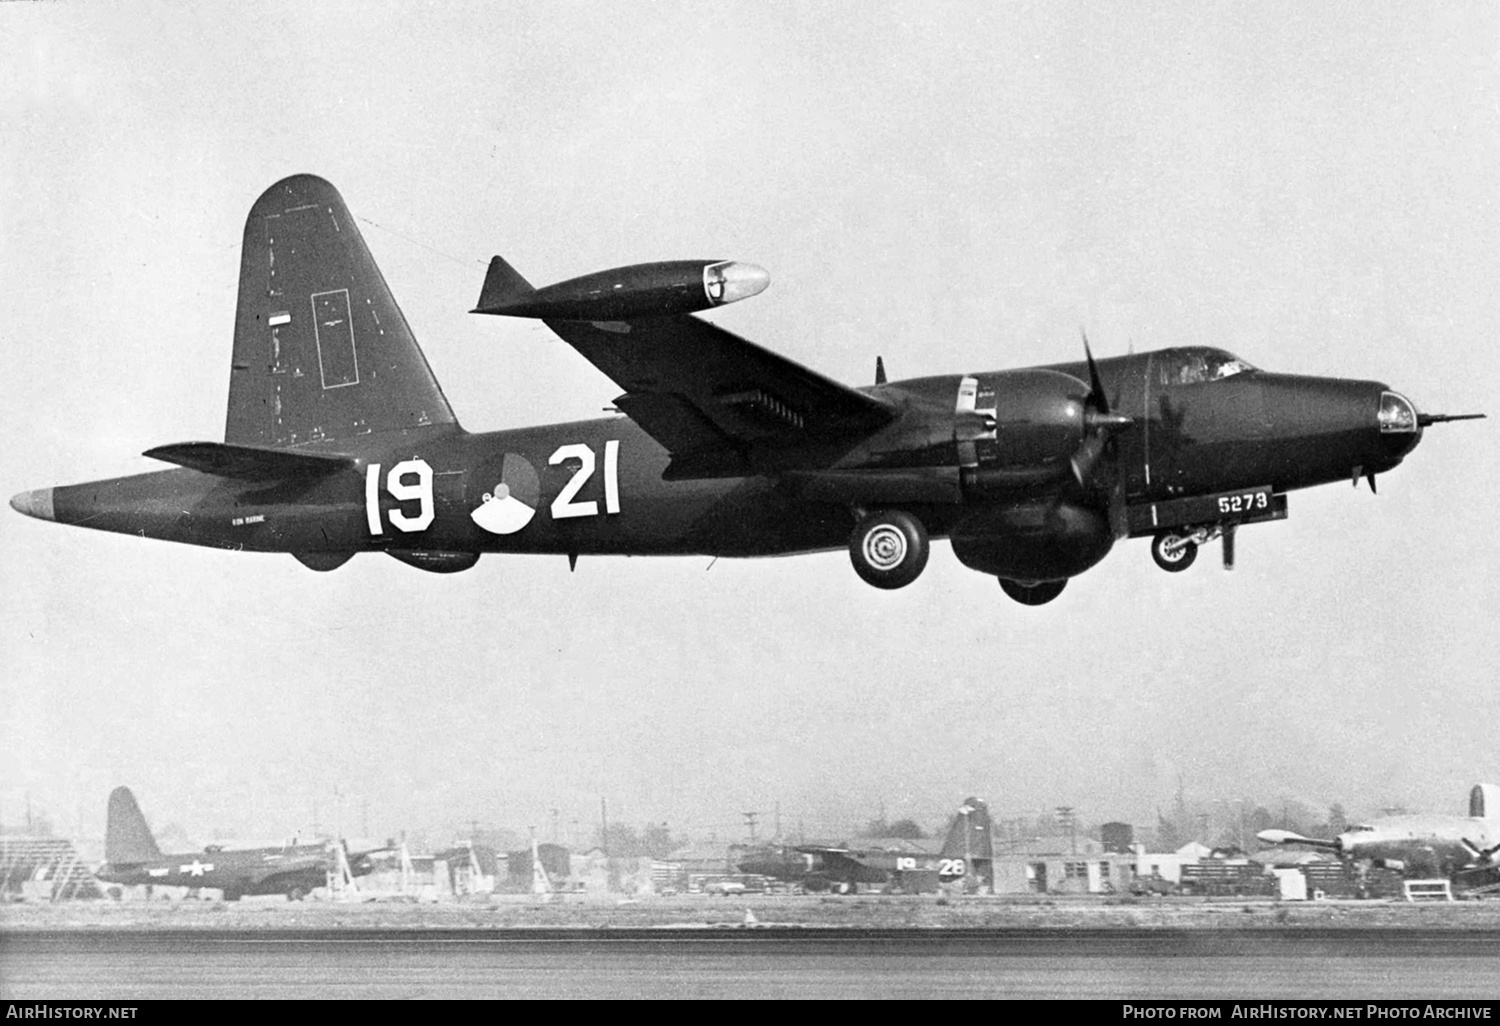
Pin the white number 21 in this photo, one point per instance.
(563, 506)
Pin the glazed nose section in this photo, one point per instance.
(1400, 429)
(34, 504)
(733, 281)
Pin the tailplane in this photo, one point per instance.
(127, 838)
(321, 350)
(969, 834)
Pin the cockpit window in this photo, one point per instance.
(1397, 415)
(1198, 364)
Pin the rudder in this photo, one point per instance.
(974, 817)
(321, 350)
(127, 838)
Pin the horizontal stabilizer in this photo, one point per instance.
(249, 462)
(503, 285)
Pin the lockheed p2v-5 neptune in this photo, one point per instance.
(339, 439)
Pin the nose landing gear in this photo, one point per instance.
(1175, 550)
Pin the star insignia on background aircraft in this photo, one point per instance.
(339, 440)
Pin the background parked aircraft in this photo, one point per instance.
(967, 854)
(132, 858)
(1422, 845)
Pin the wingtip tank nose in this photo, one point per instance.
(36, 503)
(732, 281)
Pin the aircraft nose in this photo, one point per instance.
(1400, 428)
(36, 503)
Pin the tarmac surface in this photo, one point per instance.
(753, 946)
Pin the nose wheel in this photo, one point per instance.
(1174, 552)
(889, 548)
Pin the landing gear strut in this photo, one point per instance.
(889, 548)
(1032, 593)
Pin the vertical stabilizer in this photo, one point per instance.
(969, 834)
(127, 838)
(321, 350)
(1484, 801)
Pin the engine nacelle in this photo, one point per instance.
(1045, 540)
(1018, 427)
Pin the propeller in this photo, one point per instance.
(1481, 855)
(1099, 423)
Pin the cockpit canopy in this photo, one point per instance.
(1196, 365)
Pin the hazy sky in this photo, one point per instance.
(956, 187)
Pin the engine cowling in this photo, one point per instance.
(1046, 540)
(1018, 427)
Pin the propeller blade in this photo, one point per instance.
(879, 371)
(1228, 537)
(1480, 854)
(1087, 457)
(1096, 399)
(1425, 419)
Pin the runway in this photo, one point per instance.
(751, 963)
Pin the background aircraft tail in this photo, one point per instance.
(1484, 801)
(321, 350)
(127, 838)
(973, 817)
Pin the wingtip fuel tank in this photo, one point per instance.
(663, 289)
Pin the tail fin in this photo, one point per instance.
(969, 834)
(503, 284)
(127, 838)
(321, 350)
(1484, 801)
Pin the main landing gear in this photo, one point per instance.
(888, 548)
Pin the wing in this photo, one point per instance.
(719, 404)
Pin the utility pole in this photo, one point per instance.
(750, 823)
(554, 826)
(777, 838)
(1065, 817)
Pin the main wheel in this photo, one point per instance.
(1173, 552)
(1033, 594)
(889, 548)
(296, 894)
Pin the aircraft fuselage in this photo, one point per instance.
(597, 486)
